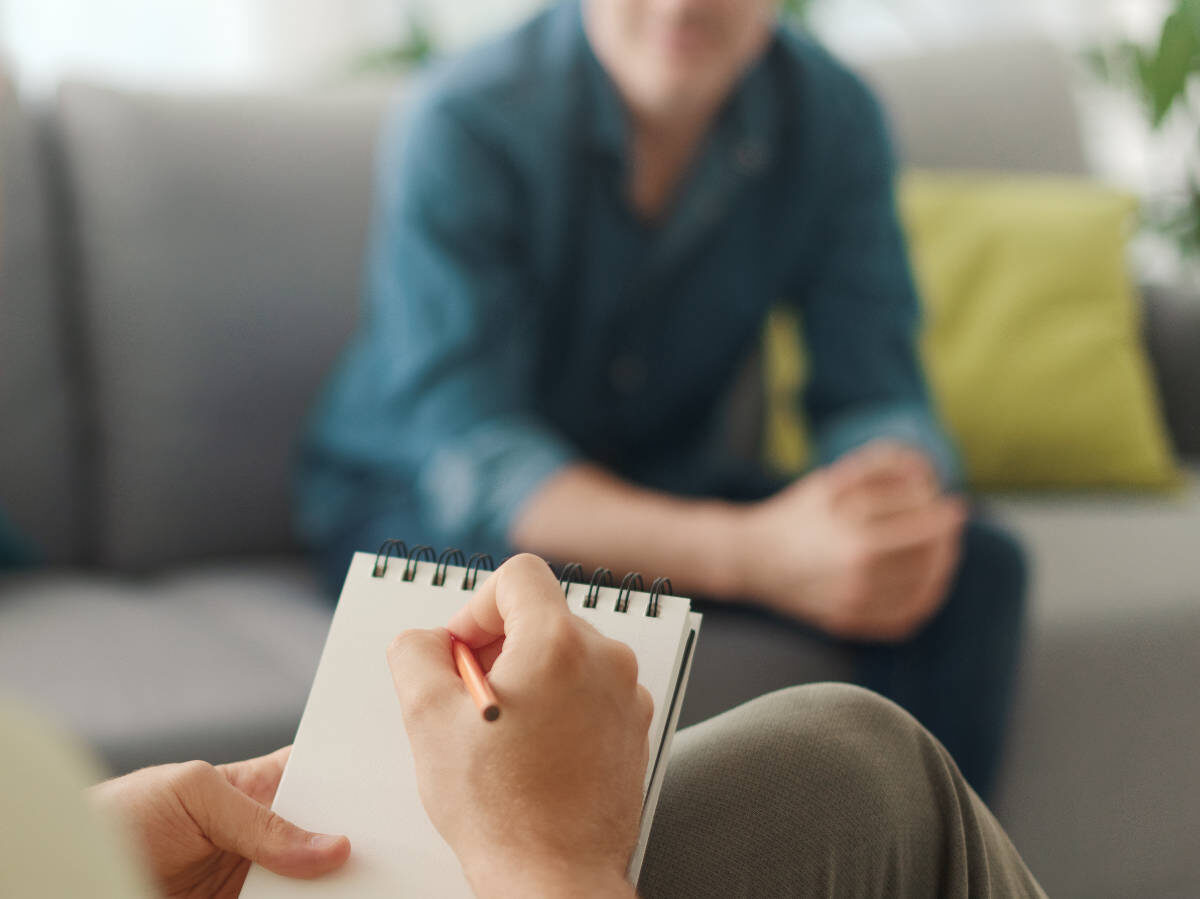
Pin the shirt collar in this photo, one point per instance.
(607, 119)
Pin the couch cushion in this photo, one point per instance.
(220, 241)
(1101, 763)
(212, 663)
(39, 486)
(1033, 334)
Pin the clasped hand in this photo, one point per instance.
(862, 549)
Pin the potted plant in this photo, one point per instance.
(1163, 74)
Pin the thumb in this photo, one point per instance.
(233, 821)
(423, 671)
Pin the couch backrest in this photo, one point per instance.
(40, 484)
(1003, 106)
(219, 242)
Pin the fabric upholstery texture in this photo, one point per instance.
(823, 791)
(976, 107)
(39, 463)
(221, 241)
(1099, 765)
(1033, 339)
(1172, 329)
(211, 662)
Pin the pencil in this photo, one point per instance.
(477, 685)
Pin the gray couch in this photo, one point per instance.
(178, 274)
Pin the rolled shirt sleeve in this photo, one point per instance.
(859, 304)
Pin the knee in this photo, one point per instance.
(831, 776)
(846, 748)
(833, 706)
(853, 727)
(994, 571)
(841, 734)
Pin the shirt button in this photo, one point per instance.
(627, 374)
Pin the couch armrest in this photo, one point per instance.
(1171, 323)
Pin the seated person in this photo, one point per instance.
(579, 232)
(819, 790)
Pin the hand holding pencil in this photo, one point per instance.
(475, 680)
(571, 706)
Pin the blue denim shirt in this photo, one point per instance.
(519, 315)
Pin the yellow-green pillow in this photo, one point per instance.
(1031, 335)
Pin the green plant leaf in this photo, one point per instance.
(1190, 10)
(1118, 64)
(1161, 75)
(1165, 76)
(417, 48)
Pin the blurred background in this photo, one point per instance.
(185, 197)
(241, 43)
(247, 44)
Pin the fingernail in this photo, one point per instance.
(323, 841)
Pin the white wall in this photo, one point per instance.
(238, 43)
(168, 43)
(865, 27)
(219, 43)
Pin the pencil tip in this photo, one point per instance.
(491, 713)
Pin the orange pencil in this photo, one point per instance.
(477, 685)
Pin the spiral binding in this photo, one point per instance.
(449, 557)
(385, 553)
(416, 555)
(632, 581)
(571, 573)
(601, 577)
(659, 588)
(474, 564)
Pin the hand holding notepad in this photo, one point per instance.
(567, 763)
(548, 795)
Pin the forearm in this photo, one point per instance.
(589, 515)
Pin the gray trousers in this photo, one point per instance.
(823, 790)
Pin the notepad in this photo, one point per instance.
(351, 768)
